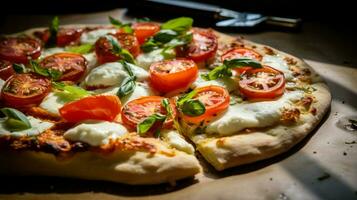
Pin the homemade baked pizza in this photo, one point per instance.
(135, 103)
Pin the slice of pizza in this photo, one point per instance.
(124, 102)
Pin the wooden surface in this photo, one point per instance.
(323, 166)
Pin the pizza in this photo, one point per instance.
(137, 103)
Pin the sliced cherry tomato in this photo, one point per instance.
(262, 83)
(137, 110)
(103, 48)
(101, 107)
(72, 65)
(170, 75)
(216, 100)
(25, 90)
(65, 36)
(202, 47)
(6, 70)
(19, 49)
(241, 53)
(144, 30)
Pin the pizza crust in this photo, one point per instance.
(124, 166)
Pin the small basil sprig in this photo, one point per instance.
(70, 92)
(81, 49)
(225, 70)
(19, 68)
(144, 126)
(48, 72)
(189, 106)
(15, 120)
(53, 29)
(125, 27)
(181, 24)
(119, 51)
(128, 85)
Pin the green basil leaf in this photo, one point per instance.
(115, 22)
(53, 29)
(179, 25)
(144, 126)
(70, 92)
(165, 35)
(180, 40)
(186, 97)
(19, 68)
(216, 73)
(127, 86)
(16, 120)
(193, 108)
(81, 49)
(119, 51)
(51, 73)
(166, 104)
(150, 45)
(240, 62)
(144, 19)
(126, 27)
(168, 52)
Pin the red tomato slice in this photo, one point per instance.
(216, 100)
(203, 46)
(137, 110)
(65, 36)
(101, 107)
(19, 49)
(241, 53)
(262, 83)
(71, 65)
(25, 90)
(144, 30)
(103, 49)
(170, 75)
(6, 70)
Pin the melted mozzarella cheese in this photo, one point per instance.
(228, 83)
(91, 37)
(52, 103)
(95, 133)
(49, 51)
(91, 59)
(112, 74)
(278, 63)
(37, 127)
(146, 59)
(2, 82)
(174, 139)
(251, 115)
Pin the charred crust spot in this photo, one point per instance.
(220, 142)
(269, 51)
(131, 143)
(290, 61)
(313, 111)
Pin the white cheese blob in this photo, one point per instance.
(251, 115)
(52, 103)
(91, 59)
(228, 83)
(146, 59)
(91, 37)
(2, 83)
(37, 127)
(141, 90)
(174, 139)
(49, 51)
(112, 74)
(278, 63)
(95, 133)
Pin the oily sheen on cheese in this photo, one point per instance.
(37, 127)
(146, 59)
(249, 115)
(175, 140)
(278, 63)
(112, 74)
(95, 133)
(52, 103)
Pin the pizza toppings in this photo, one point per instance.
(100, 107)
(25, 90)
(170, 75)
(19, 49)
(71, 65)
(15, 120)
(262, 83)
(117, 46)
(203, 46)
(6, 70)
(215, 100)
(237, 53)
(144, 30)
(138, 110)
(64, 37)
